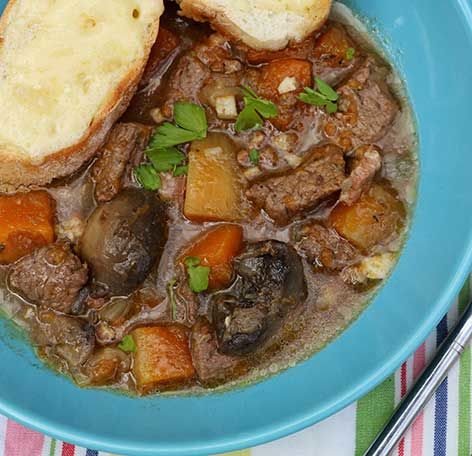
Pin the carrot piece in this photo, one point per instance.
(26, 223)
(373, 219)
(162, 357)
(332, 46)
(216, 249)
(273, 74)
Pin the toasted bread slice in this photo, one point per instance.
(68, 70)
(261, 24)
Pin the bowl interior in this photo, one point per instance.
(430, 47)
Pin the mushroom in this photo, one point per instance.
(269, 282)
(124, 239)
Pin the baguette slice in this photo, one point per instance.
(261, 24)
(68, 70)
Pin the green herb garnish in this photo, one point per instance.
(190, 124)
(171, 294)
(127, 344)
(350, 53)
(324, 96)
(148, 177)
(191, 117)
(165, 160)
(180, 170)
(254, 156)
(198, 276)
(255, 110)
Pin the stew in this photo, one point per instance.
(241, 214)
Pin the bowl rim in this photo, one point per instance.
(289, 425)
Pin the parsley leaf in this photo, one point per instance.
(255, 111)
(326, 90)
(147, 176)
(325, 96)
(165, 160)
(198, 276)
(169, 135)
(254, 156)
(180, 170)
(127, 344)
(248, 119)
(191, 117)
(350, 53)
(191, 124)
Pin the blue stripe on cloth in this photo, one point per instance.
(440, 411)
(91, 453)
(440, 420)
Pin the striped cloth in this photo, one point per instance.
(443, 428)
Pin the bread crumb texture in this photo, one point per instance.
(59, 61)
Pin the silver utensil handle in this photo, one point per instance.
(424, 389)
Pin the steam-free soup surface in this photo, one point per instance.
(240, 215)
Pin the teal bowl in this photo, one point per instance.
(431, 43)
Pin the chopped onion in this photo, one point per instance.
(157, 115)
(289, 84)
(293, 160)
(252, 173)
(226, 107)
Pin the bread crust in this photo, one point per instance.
(17, 172)
(198, 10)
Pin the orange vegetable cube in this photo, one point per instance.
(332, 46)
(162, 357)
(26, 223)
(214, 184)
(216, 249)
(275, 73)
(373, 219)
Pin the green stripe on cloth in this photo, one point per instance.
(373, 412)
(464, 403)
(464, 384)
(52, 448)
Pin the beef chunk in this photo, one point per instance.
(167, 42)
(194, 69)
(69, 338)
(215, 53)
(324, 247)
(122, 152)
(50, 277)
(212, 366)
(366, 162)
(366, 109)
(284, 197)
(185, 83)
